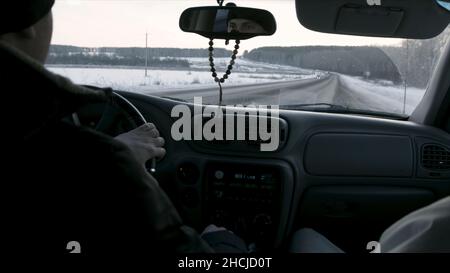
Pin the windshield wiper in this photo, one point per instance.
(312, 106)
(340, 109)
(175, 99)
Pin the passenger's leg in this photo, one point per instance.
(307, 240)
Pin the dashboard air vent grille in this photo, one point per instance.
(435, 157)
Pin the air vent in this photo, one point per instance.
(435, 157)
(247, 144)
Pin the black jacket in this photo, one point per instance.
(71, 183)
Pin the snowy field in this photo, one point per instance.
(385, 95)
(130, 79)
(246, 66)
(135, 80)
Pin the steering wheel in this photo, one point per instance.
(115, 116)
(116, 107)
(118, 116)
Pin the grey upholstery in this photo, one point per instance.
(307, 240)
(426, 230)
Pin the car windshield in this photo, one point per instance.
(138, 46)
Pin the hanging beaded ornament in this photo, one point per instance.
(229, 68)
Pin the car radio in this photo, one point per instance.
(244, 199)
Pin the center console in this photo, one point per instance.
(250, 197)
(245, 199)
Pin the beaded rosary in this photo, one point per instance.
(229, 68)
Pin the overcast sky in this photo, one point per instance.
(123, 23)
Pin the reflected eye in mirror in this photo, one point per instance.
(245, 26)
(230, 23)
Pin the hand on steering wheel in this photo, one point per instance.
(145, 142)
(141, 137)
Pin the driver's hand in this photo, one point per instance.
(144, 142)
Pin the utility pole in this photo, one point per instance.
(405, 79)
(146, 53)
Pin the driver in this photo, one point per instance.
(71, 183)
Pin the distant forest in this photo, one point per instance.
(412, 62)
(369, 62)
(416, 59)
(140, 51)
(130, 56)
(111, 60)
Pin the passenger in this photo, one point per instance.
(422, 231)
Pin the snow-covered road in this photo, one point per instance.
(291, 86)
(331, 89)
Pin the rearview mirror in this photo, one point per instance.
(228, 22)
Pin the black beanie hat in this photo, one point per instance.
(17, 15)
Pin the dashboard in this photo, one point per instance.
(332, 172)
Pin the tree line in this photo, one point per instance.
(112, 60)
(368, 62)
(412, 62)
(128, 56)
(417, 59)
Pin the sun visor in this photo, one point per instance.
(418, 19)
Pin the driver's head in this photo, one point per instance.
(27, 25)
